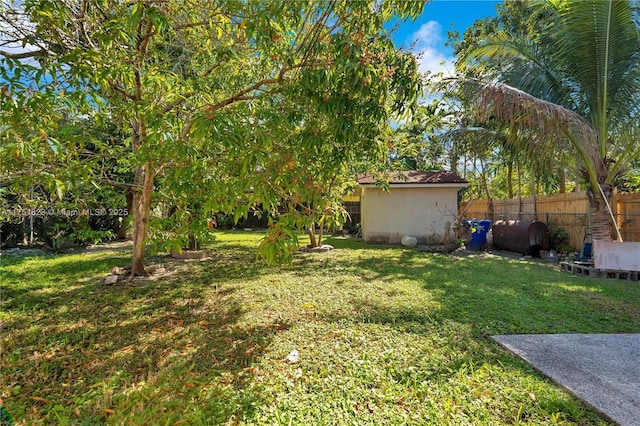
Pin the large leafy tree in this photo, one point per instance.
(569, 84)
(208, 90)
(420, 143)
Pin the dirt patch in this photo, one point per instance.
(121, 275)
(23, 252)
(192, 254)
(111, 245)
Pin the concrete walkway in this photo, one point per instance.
(601, 369)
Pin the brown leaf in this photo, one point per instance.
(278, 327)
(38, 399)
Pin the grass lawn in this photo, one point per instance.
(385, 335)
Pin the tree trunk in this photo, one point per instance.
(312, 235)
(509, 180)
(600, 218)
(563, 181)
(320, 235)
(454, 159)
(534, 194)
(193, 242)
(519, 190)
(124, 225)
(491, 213)
(487, 192)
(141, 213)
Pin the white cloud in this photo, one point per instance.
(428, 35)
(426, 44)
(14, 25)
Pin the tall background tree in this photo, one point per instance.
(568, 81)
(205, 90)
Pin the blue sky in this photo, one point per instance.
(429, 32)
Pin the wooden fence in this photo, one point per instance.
(566, 211)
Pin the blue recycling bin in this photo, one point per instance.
(479, 229)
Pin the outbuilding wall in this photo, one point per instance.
(419, 212)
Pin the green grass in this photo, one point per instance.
(386, 336)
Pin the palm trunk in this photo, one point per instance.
(600, 218)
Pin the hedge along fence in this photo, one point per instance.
(567, 211)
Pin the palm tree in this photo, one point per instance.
(577, 92)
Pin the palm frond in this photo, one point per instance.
(625, 153)
(524, 65)
(542, 121)
(599, 49)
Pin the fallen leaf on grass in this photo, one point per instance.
(278, 327)
(108, 411)
(174, 322)
(38, 399)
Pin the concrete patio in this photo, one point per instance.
(603, 370)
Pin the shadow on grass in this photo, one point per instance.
(182, 349)
(505, 296)
(470, 299)
(77, 351)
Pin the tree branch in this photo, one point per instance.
(115, 183)
(82, 21)
(243, 94)
(189, 95)
(121, 91)
(190, 25)
(25, 55)
(186, 129)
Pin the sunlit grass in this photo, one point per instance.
(385, 336)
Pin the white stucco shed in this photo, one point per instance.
(418, 204)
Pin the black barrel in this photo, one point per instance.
(521, 236)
